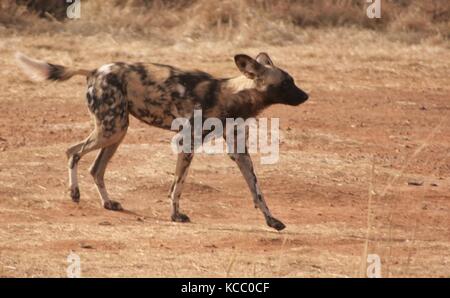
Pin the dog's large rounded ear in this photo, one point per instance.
(249, 66)
(264, 59)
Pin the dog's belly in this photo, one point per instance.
(152, 114)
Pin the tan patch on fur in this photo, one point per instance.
(157, 73)
(240, 83)
(273, 76)
(135, 90)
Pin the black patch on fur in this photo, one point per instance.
(113, 80)
(93, 101)
(211, 95)
(175, 95)
(143, 113)
(192, 79)
(259, 198)
(75, 194)
(56, 72)
(240, 107)
(142, 72)
(189, 80)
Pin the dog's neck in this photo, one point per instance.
(240, 83)
(242, 97)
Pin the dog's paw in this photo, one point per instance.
(275, 223)
(180, 217)
(75, 194)
(112, 205)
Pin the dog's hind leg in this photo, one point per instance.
(96, 140)
(98, 172)
(73, 165)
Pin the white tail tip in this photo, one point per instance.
(35, 69)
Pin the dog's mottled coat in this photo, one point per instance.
(157, 94)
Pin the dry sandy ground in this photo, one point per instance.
(377, 118)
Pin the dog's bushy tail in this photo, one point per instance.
(40, 70)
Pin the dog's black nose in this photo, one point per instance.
(305, 97)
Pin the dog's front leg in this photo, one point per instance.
(244, 162)
(183, 163)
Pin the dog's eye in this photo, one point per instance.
(284, 84)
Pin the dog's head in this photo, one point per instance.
(276, 83)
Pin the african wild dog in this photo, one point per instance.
(157, 94)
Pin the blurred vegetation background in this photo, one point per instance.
(268, 21)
